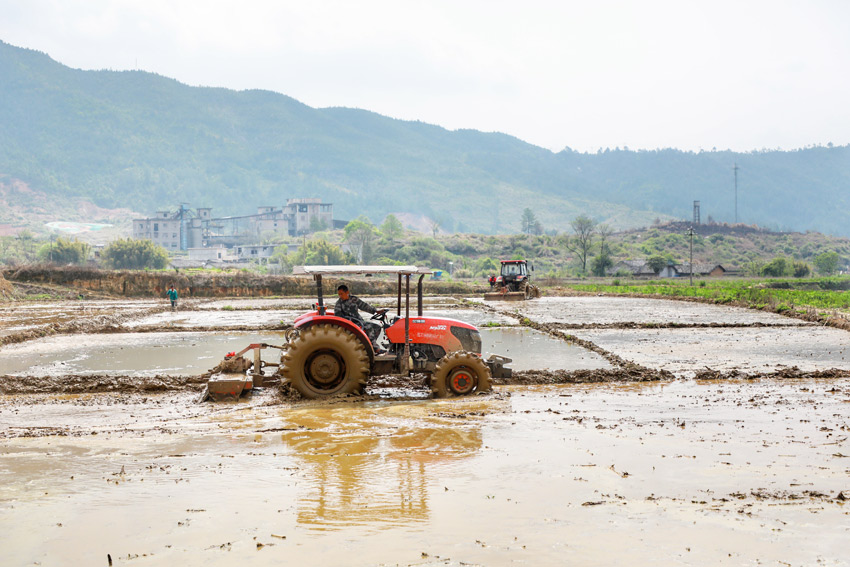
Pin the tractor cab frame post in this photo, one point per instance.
(321, 304)
(419, 296)
(398, 307)
(405, 359)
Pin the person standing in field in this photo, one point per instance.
(172, 295)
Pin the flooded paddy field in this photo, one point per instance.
(673, 471)
(589, 310)
(750, 350)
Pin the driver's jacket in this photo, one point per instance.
(348, 308)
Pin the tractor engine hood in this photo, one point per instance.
(450, 334)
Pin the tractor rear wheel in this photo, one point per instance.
(460, 373)
(325, 360)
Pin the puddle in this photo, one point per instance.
(678, 473)
(684, 351)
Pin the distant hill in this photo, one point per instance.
(144, 142)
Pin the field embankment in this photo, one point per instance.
(203, 284)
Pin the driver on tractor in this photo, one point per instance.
(347, 307)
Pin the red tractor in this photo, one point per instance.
(326, 355)
(513, 282)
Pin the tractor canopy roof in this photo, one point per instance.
(318, 272)
(514, 261)
(364, 270)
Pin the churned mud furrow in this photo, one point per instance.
(105, 323)
(95, 383)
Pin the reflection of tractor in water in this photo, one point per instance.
(514, 282)
(326, 355)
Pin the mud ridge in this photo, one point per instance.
(198, 329)
(635, 325)
(783, 374)
(95, 383)
(633, 373)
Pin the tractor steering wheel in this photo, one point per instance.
(380, 315)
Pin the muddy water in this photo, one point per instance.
(190, 353)
(611, 310)
(131, 354)
(680, 473)
(533, 350)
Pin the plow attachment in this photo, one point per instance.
(231, 378)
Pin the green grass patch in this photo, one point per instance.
(758, 294)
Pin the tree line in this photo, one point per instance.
(588, 249)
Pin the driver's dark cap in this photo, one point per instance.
(342, 287)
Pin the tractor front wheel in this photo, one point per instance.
(460, 373)
(326, 360)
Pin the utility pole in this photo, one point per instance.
(735, 169)
(691, 270)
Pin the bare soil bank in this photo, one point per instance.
(6, 289)
(128, 283)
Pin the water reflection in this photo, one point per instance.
(372, 466)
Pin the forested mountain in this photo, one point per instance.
(138, 140)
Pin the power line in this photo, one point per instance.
(735, 169)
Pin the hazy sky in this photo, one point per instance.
(693, 75)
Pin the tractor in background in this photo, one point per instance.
(513, 282)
